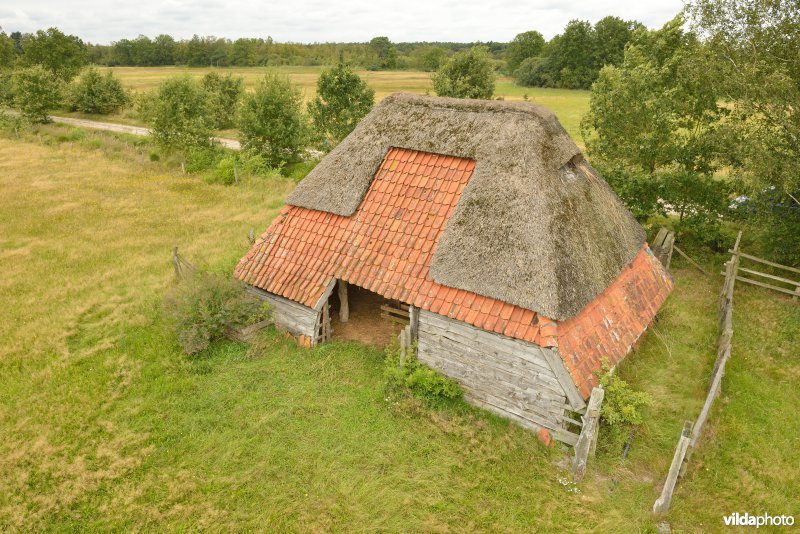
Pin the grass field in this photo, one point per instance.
(107, 426)
(567, 104)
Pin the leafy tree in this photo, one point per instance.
(272, 122)
(754, 56)
(611, 34)
(98, 93)
(429, 58)
(468, 74)
(178, 114)
(342, 100)
(386, 52)
(63, 55)
(36, 91)
(534, 72)
(224, 94)
(8, 52)
(525, 45)
(652, 128)
(571, 55)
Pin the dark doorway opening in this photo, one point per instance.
(368, 320)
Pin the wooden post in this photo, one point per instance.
(235, 174)
(251, 236)
(344, 306)
(176, 263)
(662, 504)
(588, 438)
(414, 322)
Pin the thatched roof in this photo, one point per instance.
(536, 226)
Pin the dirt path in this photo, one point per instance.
(233, 144)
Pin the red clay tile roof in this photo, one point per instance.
(609, 326)
(386, 247)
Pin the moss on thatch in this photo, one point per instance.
(536, 225)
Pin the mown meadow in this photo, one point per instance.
(106, 425)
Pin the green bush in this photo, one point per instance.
(468, 74)
(342, 100)
(534, 72)
(204, 305)
(97, 93)
(622, 406)
(224, 94)
(179, 115)
(6, 89)
(272, 123)
(36, 92)
(411, 375)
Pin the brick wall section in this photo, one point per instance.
(609, 326)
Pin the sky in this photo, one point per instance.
(104, 21)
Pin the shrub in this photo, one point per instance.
(409, 374)
(622, 405)
(534, 72)
(468, 74)
(342, 100)
(178, 114)
(36, 92)
(98, 93)
(272, 122)
(224, 94)
(203, 306)
(6, 89)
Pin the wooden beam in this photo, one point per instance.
(768, 286)
(574, 397)
(760, 260)
(588, 438)
(770, 276)
(413, 313)
(344, 305)
(661, 506)
(690, 260)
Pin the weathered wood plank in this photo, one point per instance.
(761, 260)
(344, 305)
(587, 439)
(662, 504)
(770, 276)
(765, 285)
(564, 379)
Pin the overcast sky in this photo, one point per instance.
(103, 21)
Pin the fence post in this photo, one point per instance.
(662, 504)
(587, 441)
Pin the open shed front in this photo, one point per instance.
(357, 314)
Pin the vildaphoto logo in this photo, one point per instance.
(748, 520)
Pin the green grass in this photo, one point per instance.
(568, 105)
(107, 426)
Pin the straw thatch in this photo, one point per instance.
(536, 226)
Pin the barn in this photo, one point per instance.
(481, 226)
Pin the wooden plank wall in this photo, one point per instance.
(504, 375)
(288, 315)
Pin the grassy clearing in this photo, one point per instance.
(107, 426)
(567, 104)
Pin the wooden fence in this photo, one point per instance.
(788, 287)
(587, 441)
(691, 432)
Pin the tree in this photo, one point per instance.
(224, 94)
(98, 93)
(754, 55)
(611, 34)
(63, 55)
(652, 129)
(535, 72)
(272, 123)
(386, 52)
(178, 115)
(8, 52)
(525, 45)
(468, 74)
(36, 91)
(342, 100)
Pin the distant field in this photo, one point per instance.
(568, 105)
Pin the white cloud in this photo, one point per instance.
(316, 20)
